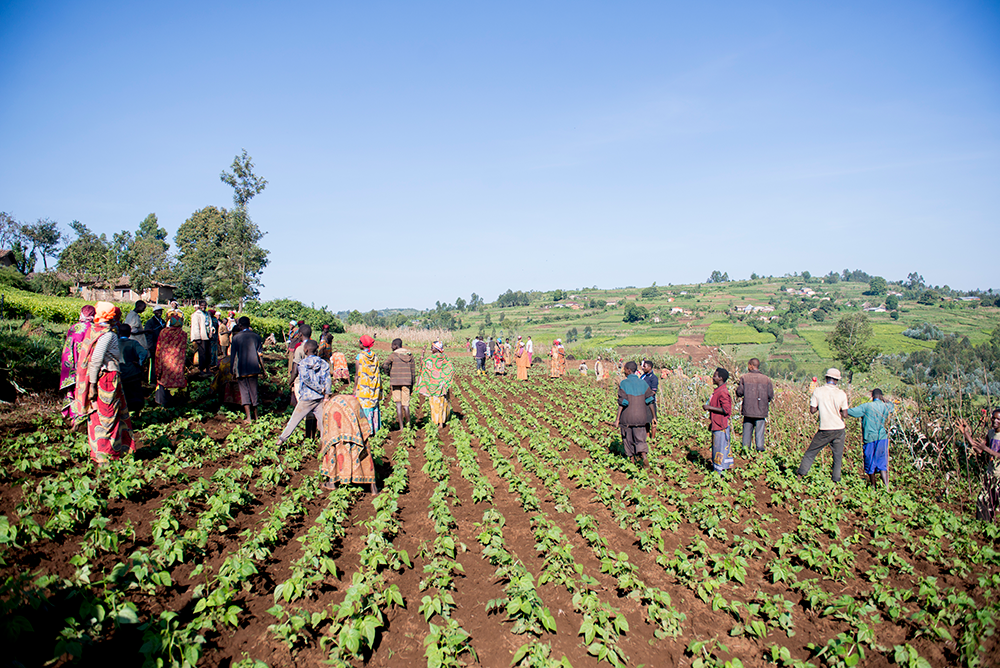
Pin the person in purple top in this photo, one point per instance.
(989, 497)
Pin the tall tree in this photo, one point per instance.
(852, 345)
(85, 257)
(44, 236)
(149, 260)
(12, 238)
(237, 275)
(199, 242)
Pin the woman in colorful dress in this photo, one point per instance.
(71, 349)
(989, 448)
(344, 456)
(499, 362)
(171, 350)
(99, 400)
(435, 383)
(558, 363)
(325, 349)
(523, 359)
(368, 386)
(599, 369)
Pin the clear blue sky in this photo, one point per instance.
(418, 152)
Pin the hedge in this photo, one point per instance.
(67, 309)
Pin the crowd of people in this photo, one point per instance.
(110, 364)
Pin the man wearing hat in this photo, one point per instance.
(831, 403)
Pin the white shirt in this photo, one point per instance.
(530, 347)
(829, 399)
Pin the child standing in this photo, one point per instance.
(720, 407)
(313, 386)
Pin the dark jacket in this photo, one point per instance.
(400, 367)
(635, 396)
(244, 353)
(757, 392)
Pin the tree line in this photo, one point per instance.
(217, 252)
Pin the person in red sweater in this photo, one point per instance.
(720, 407)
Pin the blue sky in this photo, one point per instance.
(418, 152)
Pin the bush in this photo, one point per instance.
(925, 332)
(49, 284)
(12, 278)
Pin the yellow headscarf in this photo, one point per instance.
(106, 312)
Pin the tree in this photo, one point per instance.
(354, 317)
(928, 298)
(892, 302)
(877, 286)
(915, 281)
(831, 278)
(149, 259)
(460, 305)
(558, 295)
(806, 276)
(474, 302)
(650, 292)
(754, 276)
(634, 313)
(237, 273)
(588, 332)
(851, 343)
(85, 257)
(45, 237)
(199, 242)
(572, 335)
(718, 277)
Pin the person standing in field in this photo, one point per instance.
(294, 341)
(201, 336)
(583, 368)
(368, 384)
(134, 322)
(344, 454)
(153, 328)
(99, 400)
(636, 414)
(171, 351)
(522, 359)
(225, 338)
(71, 351)
(720, 406)
(325, 349)
(246, 366)
(214, 342)
(557, 365)
(758, 393)
(402, 371)
(480, 356)
(435, 383)
(133, 357)
(989, 451)
(599, 369)
(831, 403)
(313, 385)
(650, 378)
(305, 332)
(531, 351)
(499, 362)
(508, 354)
(874, 436)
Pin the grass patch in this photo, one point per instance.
(726, 333)
(648, 339)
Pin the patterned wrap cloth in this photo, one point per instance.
(558, 364)
(67, 368)
(435, 383)
(171, 349)
(344, 457)
(369, 387)
(109, 427)
(338, 367)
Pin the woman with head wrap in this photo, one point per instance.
(171, 349)
(522, 358)
(99, 400)
(67, 369)
(368, 386)
(435, 383)
(338, 367)
(557, 365)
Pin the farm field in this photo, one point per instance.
(515, 535)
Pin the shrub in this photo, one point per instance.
(12, 278)
(925, 332)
